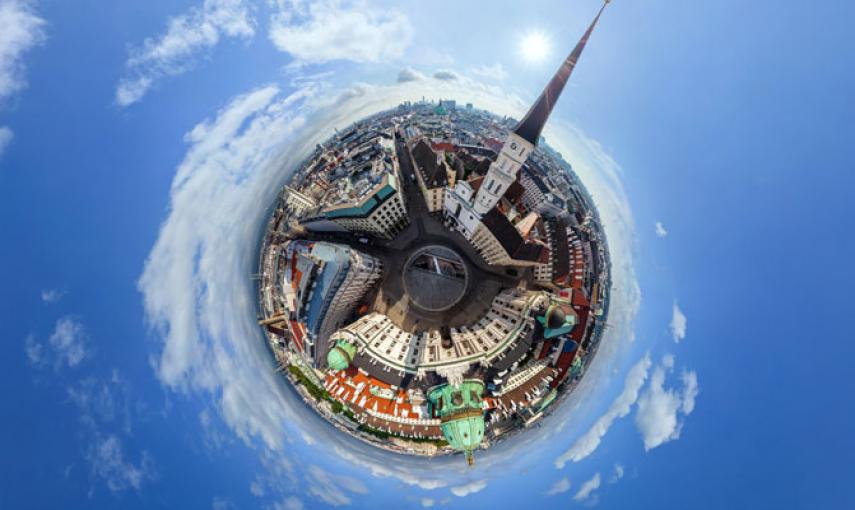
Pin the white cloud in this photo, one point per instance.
(339, 30)
(66, 345)
(588, 488)
(198, 351)
(427, 502)
(617, 474)
(289, 503)
(104, 412)
(472, 487)
(68, 341)
(104, 409)
(52, 295)
(213, 438)
(559, 487)
(6, 136)
(409, 74)
(446, 75)
(690, 391)
(173, 52)
(372, 460)
(494, 72)
(658, 416)
(20, 30)
(332, 489)
(221, 504)
(308, 438)
(35, 351)
(107, 458)
(278, 478)
(619, 408)
(678, 323)
(101, 403)
(660, 230)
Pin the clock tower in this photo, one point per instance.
(502, 173)
(521, 141)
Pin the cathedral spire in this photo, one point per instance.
(521, 141)
(532, 124)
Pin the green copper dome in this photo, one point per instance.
(556, 321)
(341, 355)
(460, 410)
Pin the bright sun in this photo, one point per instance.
(534, 46)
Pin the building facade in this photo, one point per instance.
(297, 202)
(382, 212)
(326, 282)
(432, 174)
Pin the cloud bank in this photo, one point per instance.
(20, 30)
(619, 408)
(330, 30)
(461, 491)
(174, 52)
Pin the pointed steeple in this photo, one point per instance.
(532, 124)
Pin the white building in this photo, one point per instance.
(503, 172)
(381, 212)
(433, 175)
(507, 322)
(298, 203)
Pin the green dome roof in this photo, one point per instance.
(555, 316)
(341, 355)
(465, 432)
(556, 321)
(460, 410)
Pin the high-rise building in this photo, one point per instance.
(328, 281)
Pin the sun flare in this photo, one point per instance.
(534, 46)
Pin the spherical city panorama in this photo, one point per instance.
(435, 278)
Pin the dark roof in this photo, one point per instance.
(482, 167)
(511, 240)
(514, 192)
(393, 377)
(515, 354)
(475, 183)
(559, 249)
(535, 178)
(532, 124)
(432, 171)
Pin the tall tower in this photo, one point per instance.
(503, 172)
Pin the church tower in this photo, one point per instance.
(521, 141)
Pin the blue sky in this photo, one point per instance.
(136, 141)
